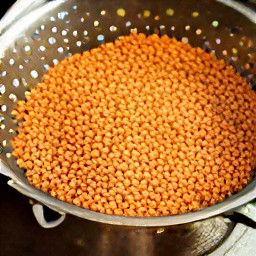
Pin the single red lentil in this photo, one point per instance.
(144, 126)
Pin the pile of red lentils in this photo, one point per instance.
(144, 126)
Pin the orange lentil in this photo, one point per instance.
(129, 128)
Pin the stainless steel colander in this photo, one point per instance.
(41, 34)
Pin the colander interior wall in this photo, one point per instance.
(77, 26)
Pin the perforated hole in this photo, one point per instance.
(13, 97)
(34, 74)
(169, 12)
(75, 34)
(3, 108)
(2, 89)
(3, 73)
(184, 40)
(250, 44)
(247, 66)
(60, 50)
(8, 155)
(162, 30)
(96, 23)
(215, 23)
(224, 52)
(11, 131)
(42, 48)
(103, 12)
(234, 51)
(187, 28)
(24, 82)
(54, 30)
(199, 31)
(21, 66)
(51, 40)
(27, 93)
(241, 43)
(100, 38)
(11, 62)
(15, 82)
(133, 30)
(78, 43)
(64, 32)
(233, 59)
(121, 12)
(206, 46)
(36, 36)
(46, 67)
(55, 62)
(113, 28)
(62, 15)
(218, 41)
(195, 14)
(146, 13)
(27, 49)
(128, 24)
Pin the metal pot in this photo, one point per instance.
(36, 34)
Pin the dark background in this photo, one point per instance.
(4, 6)
(20, 234)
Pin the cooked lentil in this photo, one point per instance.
(144, 126)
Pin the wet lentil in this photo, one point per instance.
(144, 126)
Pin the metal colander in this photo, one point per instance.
(57, 29)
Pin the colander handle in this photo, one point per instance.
(245, 214)
(241, 241)
(38, 211)
(248, 210)
(37, 208)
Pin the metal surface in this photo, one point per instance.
(190, 239)
(60, 28)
